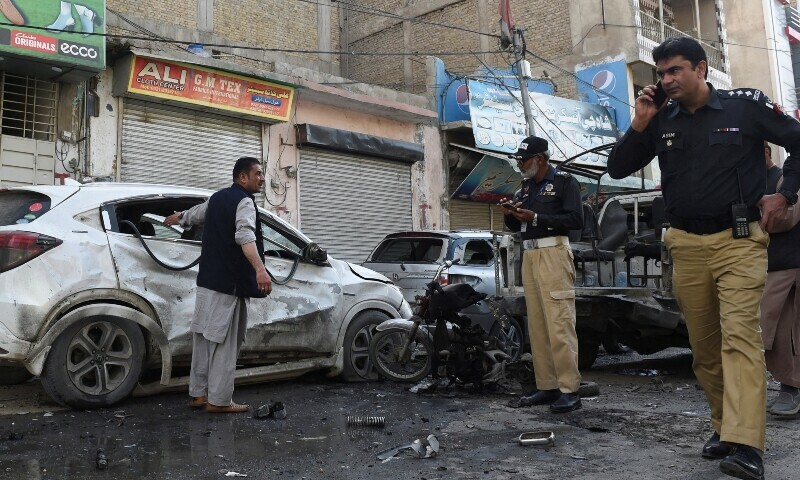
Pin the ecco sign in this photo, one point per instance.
(77, 50)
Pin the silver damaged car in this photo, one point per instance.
(85, 305)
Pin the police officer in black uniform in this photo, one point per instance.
(544, 210)
(710, 148)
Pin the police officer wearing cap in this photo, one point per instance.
(544, 210)
(710, 148)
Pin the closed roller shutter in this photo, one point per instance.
(348, 203)
(164, 144)
(466, 215)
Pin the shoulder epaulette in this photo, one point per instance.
(753, 95)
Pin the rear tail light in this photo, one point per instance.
(17, 248)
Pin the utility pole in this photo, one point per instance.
(522, 69)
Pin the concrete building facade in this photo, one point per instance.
(765, 43)
(187, 87)
(583, 48)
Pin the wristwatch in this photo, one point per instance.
(791, 197)
(536, 217)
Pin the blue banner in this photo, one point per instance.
(607, 85)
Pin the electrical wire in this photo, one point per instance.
(276, 170)
(260, 49)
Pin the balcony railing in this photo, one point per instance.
(793, 18)
(652, 29)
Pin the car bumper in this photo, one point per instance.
(12, 348)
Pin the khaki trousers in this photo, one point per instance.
(548, 278)
(718, 282)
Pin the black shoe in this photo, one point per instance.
(714, 449)
(744, 462)
(567, 402)
(540, 397)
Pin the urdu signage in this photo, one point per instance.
(211, 88)
(61, 33)
(571, 127)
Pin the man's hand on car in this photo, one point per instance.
(173, 219)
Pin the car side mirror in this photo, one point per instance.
(315, 254)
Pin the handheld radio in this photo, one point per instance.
(741, 227)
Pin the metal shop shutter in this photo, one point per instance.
(165, 144)
(348, 203)
(466, 215)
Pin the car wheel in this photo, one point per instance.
(94, 363)
(511, 337)
(357, 365)
(14, 375)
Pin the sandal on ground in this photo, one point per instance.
(197, 402)
(232, 408)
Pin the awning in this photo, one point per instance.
(496, 178)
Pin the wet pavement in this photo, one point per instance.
(650, 421)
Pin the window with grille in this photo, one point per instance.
(28, 107)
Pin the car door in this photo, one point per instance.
(303, 314)
(170, 292)
(295, 321)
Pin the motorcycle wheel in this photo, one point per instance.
(384, 351)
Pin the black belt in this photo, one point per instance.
(708, 226)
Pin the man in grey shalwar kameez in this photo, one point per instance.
(231, 272)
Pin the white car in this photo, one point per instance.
(85, 306)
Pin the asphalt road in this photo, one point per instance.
(649, 422)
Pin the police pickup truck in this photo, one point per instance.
(623, 290)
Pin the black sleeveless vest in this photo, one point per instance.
(223, 266)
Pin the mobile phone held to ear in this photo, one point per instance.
(660, 96)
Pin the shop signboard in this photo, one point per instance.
(571, 127)
(59, 32)
(202, 86)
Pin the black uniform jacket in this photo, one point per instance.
(705, 156)
(556, 200)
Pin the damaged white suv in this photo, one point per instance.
(85, 306)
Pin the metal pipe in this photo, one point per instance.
(603, 12)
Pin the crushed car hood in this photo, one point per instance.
(367, 274)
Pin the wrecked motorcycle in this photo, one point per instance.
(438, 335)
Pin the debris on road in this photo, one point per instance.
(427, 447)
(359, 421)
(386, 455)
(101, 460)
(542, 439)
(276, 410)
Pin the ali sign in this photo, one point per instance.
(211, 88)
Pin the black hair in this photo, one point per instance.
(688, 48)
(244, 165)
